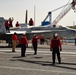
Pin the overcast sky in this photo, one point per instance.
(17, 9)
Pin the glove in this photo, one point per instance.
(60, 49)
(51, 49)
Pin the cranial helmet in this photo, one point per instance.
(55, 35)
(23, 34)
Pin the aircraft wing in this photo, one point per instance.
(43, 31)
(18, 32)
(69, 28)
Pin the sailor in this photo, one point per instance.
(17, 24)
(10, 22)
(7, 26)
(42, 40)
(75, 41)
(55, 47)
(35, 44)
(31, 23)
(24, 43)
(14, 41)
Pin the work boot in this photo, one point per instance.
(59, 62)
(13, 51)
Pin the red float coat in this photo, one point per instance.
(34, 40)
(17, 25)
(6, 24)
(14, 37)
(23, 40)
(10, 22)
(55, 43)
(31, 22)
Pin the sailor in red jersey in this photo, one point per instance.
(56, 47)
(23, 42)
(7, 26)
(31, 23)
(10, 22)
(17, 24)
(35, 44)
(14, 41)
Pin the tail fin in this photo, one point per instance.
(2, 27)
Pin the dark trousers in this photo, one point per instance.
(55, 52)
(35, 48)
(23, 50)
(10, 25)
(41, 41)
(7, 29)
(75, 42)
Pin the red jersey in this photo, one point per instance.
(6, 23)
(23, 40)
(55, 43)
(14, 37)
(31, 22)
(34, 40)
(10, 22)
(17, 24)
